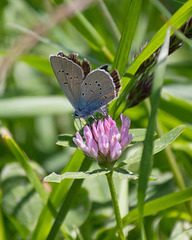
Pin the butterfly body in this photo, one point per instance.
(88, 91)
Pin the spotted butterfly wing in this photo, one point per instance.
(87, 91)
(98, 89)
(70, 74)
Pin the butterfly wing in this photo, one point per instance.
(97, 90)
(69, 76)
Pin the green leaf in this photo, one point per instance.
(160, 204)
(118, 172)
(66, 140)
(124, 174)
(139, 134)
(124, 47)
(79, 211)
(146, 160)
(16, 187)
(53, 177)
(158, 145)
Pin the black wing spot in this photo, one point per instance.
(100, 93)
(85, 83)
(91, 90)
(95, 81)
(83, 94)
(90, 84)
(67, 73)
(100, 89)
(62, 70)
(99, 84)
(105, 97)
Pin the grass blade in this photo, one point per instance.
(59, 191)
(162, 203)
(85, 27)
(146, 161)
(178, 19)
(124, 47)
(24, 161)
(114, 30)
(68, 201)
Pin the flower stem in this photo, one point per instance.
(115, 205)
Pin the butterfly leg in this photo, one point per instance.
(104, 111)
(94, 117)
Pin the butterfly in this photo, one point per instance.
(88, 91)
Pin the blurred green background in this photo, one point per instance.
(35, 110)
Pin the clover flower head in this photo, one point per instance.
(103, 140)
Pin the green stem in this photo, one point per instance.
(115, 205)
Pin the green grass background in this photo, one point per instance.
(35, 111)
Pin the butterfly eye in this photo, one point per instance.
(76, 115)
